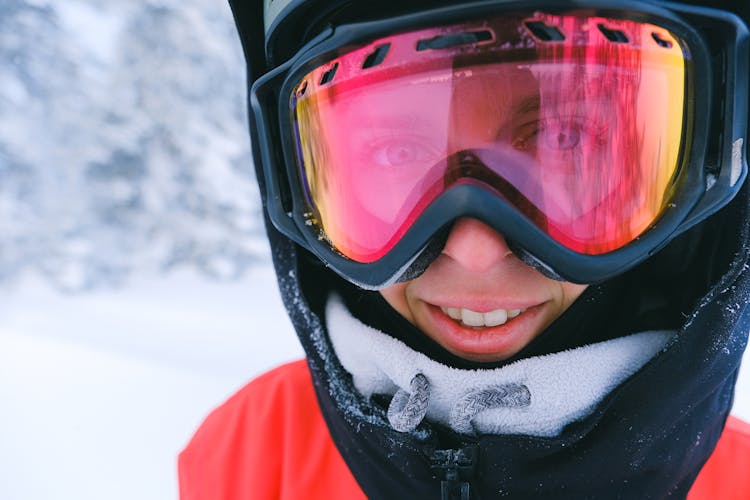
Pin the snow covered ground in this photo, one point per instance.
(101, 390)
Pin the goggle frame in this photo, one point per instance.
(705, 183)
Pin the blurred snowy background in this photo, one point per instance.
(122, 142)
(136, 291)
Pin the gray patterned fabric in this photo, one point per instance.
(407, 409)
(474, 403)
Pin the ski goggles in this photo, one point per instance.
(589, 137)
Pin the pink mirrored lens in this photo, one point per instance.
(575, 121)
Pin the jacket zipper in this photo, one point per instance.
(455, 469)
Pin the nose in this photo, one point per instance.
(475, 246)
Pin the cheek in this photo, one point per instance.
(570, 292)
(395, 295)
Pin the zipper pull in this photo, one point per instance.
(457, 468)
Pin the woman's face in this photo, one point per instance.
(478, 300)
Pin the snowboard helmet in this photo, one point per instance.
(589, 133)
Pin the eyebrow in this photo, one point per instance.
(529, 105)
(397, 121)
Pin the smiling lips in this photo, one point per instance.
(474, 319)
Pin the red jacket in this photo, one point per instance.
(269, 441)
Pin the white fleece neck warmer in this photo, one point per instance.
(536, 396)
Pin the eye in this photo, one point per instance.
(401, 152)
(558, 135)
(561, 136)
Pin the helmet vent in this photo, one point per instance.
(455, 40)
(543, 32)
(613, 35)
(661, 42)
(377, 56)
(328, 75)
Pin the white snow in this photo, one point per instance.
(100, 391)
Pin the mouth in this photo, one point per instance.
(489, 336)
(479, 320)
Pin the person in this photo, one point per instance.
(512, 238)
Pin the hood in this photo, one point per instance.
(648, 438)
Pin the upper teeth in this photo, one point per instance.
(473, 318)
